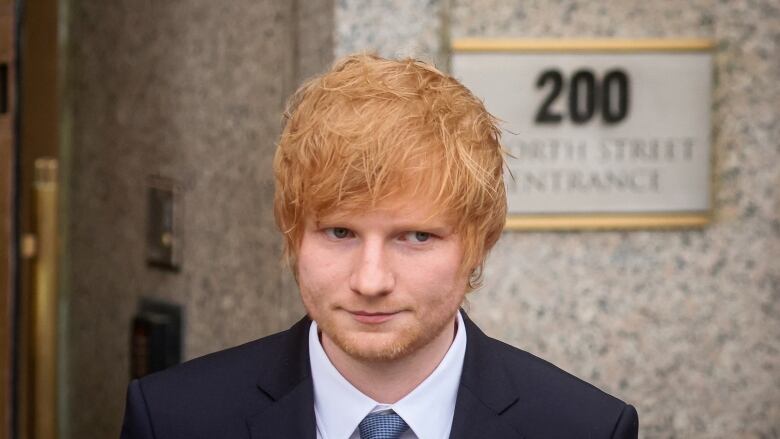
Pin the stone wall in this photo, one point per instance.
(191, 90)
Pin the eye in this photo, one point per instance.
(418, 237)
(338, 232)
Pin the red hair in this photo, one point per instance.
(373, 128)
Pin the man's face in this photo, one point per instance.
(382, 283)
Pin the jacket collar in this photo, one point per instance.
(484, 394)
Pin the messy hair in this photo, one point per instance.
(373, 128)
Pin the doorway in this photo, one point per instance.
(29, 203)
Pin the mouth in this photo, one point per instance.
(372, 318)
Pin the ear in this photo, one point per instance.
(475, 278)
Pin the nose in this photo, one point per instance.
(372, 274)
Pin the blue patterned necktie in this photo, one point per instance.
(382, 425)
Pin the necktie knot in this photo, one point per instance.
(382, 425)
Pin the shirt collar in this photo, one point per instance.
(428, 409)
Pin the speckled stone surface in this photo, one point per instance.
(683, 324)
(314, 34)
(191, 90)
(392, 28)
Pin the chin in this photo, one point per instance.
(379, 347)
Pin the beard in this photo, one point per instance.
(382, 346)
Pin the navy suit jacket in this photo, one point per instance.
(263, 389)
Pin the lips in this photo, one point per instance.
(372, 318)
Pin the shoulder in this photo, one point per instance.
(550, 402)
(536, 376)
(237, 366)
(219, 389)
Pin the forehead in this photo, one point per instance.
(401, 209)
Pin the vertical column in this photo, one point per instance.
(44, 305)
(38, 137)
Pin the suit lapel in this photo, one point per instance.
(286, 381)
(485, 392)
(475, 420)
(291, 416)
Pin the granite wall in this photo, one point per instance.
(191, 90)
(683, 324)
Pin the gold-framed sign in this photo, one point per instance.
(603, 134)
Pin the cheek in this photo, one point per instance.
(317, 274)
(440, 278)
(307, 273)
(447, 264)
(311, 289)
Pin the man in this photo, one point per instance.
(389, 194)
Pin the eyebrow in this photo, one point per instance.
(436, 227)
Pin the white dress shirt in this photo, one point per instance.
(428, 409)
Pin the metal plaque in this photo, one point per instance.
(602, 134)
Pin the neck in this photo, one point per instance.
(388, 381)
